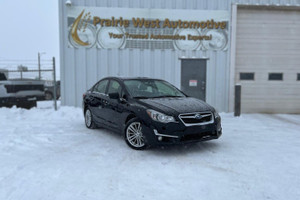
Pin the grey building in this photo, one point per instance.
(203, 47)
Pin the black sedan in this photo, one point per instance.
(149, 112)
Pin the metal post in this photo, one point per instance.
(39, 65)
(237, 100)
(54, 85)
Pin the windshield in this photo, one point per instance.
(147, 88)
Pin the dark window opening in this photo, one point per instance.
(298, 77)
(2, 77)
(246, 76)
(275, 76)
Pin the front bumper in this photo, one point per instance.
(177, 133)
(11, 101)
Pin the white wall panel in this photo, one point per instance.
(91, 66)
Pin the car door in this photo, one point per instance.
(114, 107)
(98, 101)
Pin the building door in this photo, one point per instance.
(193, 77)
(267, 59)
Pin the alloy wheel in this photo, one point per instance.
(134, 135)
(88, 118)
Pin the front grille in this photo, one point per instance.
(199, 118)
(17, 88)
(195, 137)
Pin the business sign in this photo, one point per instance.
(119, 28)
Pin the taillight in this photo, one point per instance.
(83, 95)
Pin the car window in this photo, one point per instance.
(101, 86)
(114, 87)
(123, 94)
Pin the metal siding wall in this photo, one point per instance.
(63, 56)
(91, 62)
(81, 68)
(80, 74)
(268, 2)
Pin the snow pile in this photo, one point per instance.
(52, 155)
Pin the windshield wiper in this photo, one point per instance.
(141, 97)
(163, 96)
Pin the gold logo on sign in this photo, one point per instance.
(78, 25)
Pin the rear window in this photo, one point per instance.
(2, 77)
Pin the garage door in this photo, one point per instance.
(268, 59)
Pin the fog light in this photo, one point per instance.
(160, 138)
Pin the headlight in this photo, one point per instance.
(216, 114)
(160, 117)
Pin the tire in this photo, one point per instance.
(48, 96)
(134, 134)
(27, 104)
(33, 104)
(88, 119)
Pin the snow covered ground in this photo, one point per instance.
(52, 155)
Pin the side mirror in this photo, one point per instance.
(114, 95)
(122, 100)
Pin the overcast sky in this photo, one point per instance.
(29, 27)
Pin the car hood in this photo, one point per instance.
(177, 105)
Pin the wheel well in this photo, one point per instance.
(85, 107)
(129, 117)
